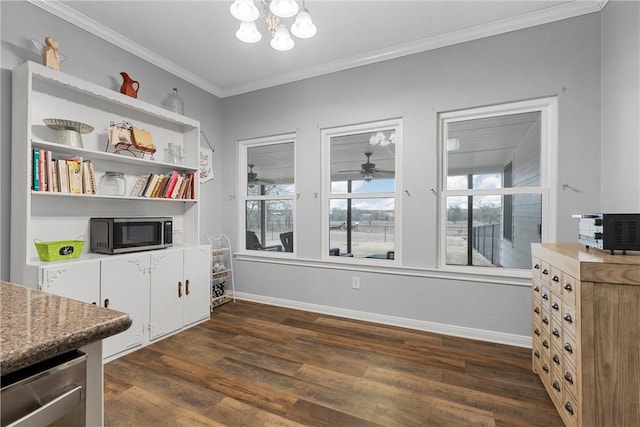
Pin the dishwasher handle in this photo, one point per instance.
(51, 411)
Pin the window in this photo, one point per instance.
(361, 191)
(267, 189)
(497, 172)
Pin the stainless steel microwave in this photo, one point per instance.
(121, 235)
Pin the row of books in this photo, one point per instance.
(173, 185)
(71, 175)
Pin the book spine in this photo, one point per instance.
(49, 168)
(36, 169)
(41, 172)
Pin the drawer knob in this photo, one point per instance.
(556, 386)
(537, 310)
(555, 278)
(568, 407)
(536, 354)
(536, 288)
(545, 368)
(545, 295)
(568, 377)
(545, 271)
(567, 287)
(545, 344)
(556, 359)
(545, 320)
(568, 318)
(568, 347)
(537, 332)
(537, 266)
(556, 332)
(555, 306)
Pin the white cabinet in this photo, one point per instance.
(166, 293)
(79, 280)
(179, 293)
(124, 286)
(195, 303)
(40, 93)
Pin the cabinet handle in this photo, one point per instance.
(568, 377)
(545, 295)
(545, 271)
(536, 354)
(568, 347)
(186, 283)
(106, 303)
(568, 318)
(567, 287)
(556, 332)
(545, 368)
(545, 320)
(536, 288)
(555, 278)
(556, 359)
(556, 386)
(537, 332)
(555, 306)
(568, 407)
(536, 310)
(179, 289)
(545, 344)
(537, 266)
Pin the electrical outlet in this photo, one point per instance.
(355, 282)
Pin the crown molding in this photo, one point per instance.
(556, 13)
(59, 9)
(551, 14)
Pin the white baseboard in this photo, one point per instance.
(420, 325)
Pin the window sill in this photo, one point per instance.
(510, 277)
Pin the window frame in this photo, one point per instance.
(243, 197)
(327, 196)
(548, 108)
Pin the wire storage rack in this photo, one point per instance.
(222, 286)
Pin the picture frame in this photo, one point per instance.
(206, 165)
(119, 134)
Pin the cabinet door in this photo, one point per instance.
(125, 287)
(167, 288)
(197, 270)
(79, 281)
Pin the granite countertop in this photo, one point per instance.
(37, 325)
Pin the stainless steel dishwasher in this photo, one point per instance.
(49, 393)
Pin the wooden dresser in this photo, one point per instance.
(586, 333)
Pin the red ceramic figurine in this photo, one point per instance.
(129, 86)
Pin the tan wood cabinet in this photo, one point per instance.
(586, 333)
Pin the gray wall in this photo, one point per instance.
(93, 59)
(621, 107)
(561, 58)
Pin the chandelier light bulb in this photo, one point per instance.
(244, 10)
(284, 8)
(248, 32)
(303, 27)
(281, 40)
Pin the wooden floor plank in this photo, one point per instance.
(259, 365)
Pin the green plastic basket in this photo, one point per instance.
(58, 250)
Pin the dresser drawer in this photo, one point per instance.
(555, 303)
(568, 320)
(569, 379)
(555, 279)
(569, 410)
(556, 385)
(544, 272)
(569, 350)
(569, 284)
(536, 268)
(556, 331)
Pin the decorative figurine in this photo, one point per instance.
(50, 56)
(129, 86)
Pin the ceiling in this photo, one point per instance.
(195, 40)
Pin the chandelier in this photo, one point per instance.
(274, 12)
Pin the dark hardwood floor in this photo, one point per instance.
(260, 365)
